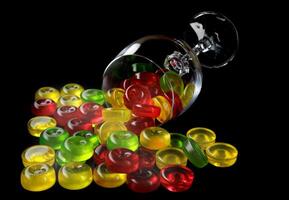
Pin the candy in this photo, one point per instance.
(222, 154)
(203, 136)
(172, 81)
(93, 95)
(170, 156)
(104, 178)
(60, 159)
(72, 88)
(175, 100)
(45, 107)
(137, 124)
(177, 140)
(145, 110)
(155, 138)
(187, 95)
(122, 161)
(47, 93)
(38, 154)
(194, 153)
(77, 149)
(69, 100)
(38, 177)
(91, 112)
(122, 139)
(115, 96)
(165, 106)
(176, 178)
(64, 113)
(38, 124)
(75, 176)
(147, 158)
(89, 136)
(99, 154)
(77, 124)
(107, 128)
(145, 78)
(142, 67)
(116, 114)
(136, 94)
(53, 137)
(144, 180)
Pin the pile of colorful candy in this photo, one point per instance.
(117, 130)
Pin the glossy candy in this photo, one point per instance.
(64, 113)
(195, 154)
(44, 107)
(38, 124)
(136, 94)
(91, 112)
(77, 124)
(115, 96)
(60, 159)
(75, 176)
(165, 106)
(38, 177)
(145, 78)
(122, 161)
(122, 139)
(89, 136)
(69, 100)
(177, 140)
(72, 88)
(53, 137)
(176, 178)
(107, 128)
(174, 100)
(155, 138)
(222, 154)
(137, 124)
(147, 158)
(170, 156)
(203, 136)
(146, 110)
(93, 95)
(47, 93)
(142, 67)
(77, 149)
(144, 180)
(172, 81)
(38, 154)
(116, 114)
(104, 178)
(100, 153)
(187, 95)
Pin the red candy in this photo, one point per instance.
(136, 94)
(45, 107)
(144, 180)
(174, 100)
(100, 153)
(122, 160)
(137, 124)
(145, 110)
(125, 84)
(145, 78)
(65, 113)
(92, 112)
(147, 158)
(176, 178)
(77, 124)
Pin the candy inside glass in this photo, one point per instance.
(210, 40)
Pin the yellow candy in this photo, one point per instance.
(47, 93)
(69, 100)
(38, 154)
(38, 124)
(75, 176)
(155, 138)
(107, 128)
(170, 156)
(104, 178)
(38, 177)
(114, 96)
(116, 114)
(166, 108)
(203, 136)
(72, 88)
(187, 94)
(222, 154)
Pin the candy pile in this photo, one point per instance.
(117, 131)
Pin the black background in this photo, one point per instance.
(61, 45)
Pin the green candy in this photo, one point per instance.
(177, 140)
(172, 81)
(122, 139)
(89, 136)
(93, 95)
(62, 160)
(53, 137)
(143, 67)
(76, 149)
(194, 153)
